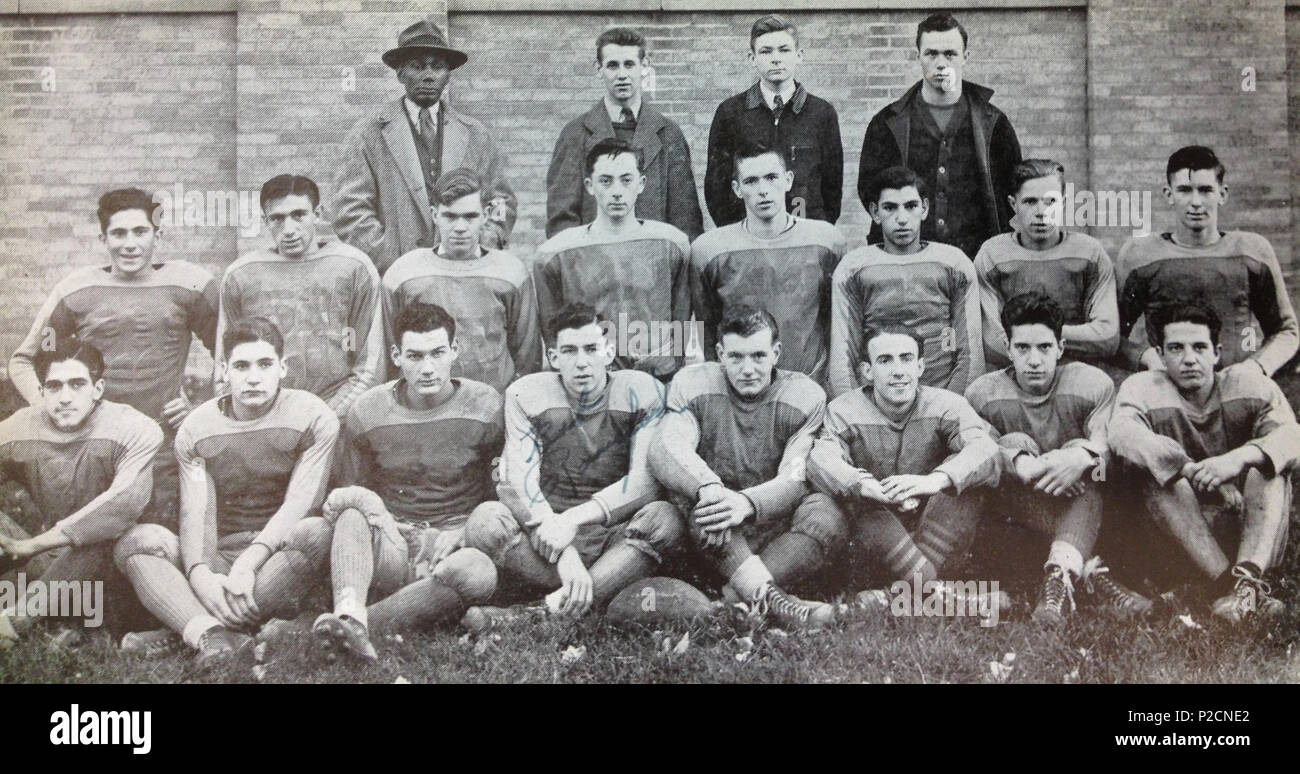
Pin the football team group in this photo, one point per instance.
(412, 417)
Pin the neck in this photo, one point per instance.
(933, 96)
(1039, 245)
(417, 402)
(766, 229)
(604, 224)
(894, 410)
(593, 397)
(622, 102)
(145, 271)
(1198, 237)
(912, 247)
(1035, 390)
(458, 255)
(245, 413)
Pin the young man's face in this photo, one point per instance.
(1037, 208)
(581, 355)
(459, 224)
(776, 57)
(899, 211)
(425, 361)
(762, 183)
(1195, 196)
(1189, 355)
(615, 183)
(620, 68)
(894, 368)
(424, 76)
(130, 239)
(69, 394)
(254, 372)
(292, 221)
(1034, 351)
(942, 57)
(749, 360)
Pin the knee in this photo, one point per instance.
(147, 540)
(658, 527)
(348, 498)
(311, 537)
(491, 529)
(470, 573)
(1019, 442)
(820, 518)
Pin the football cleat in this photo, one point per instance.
(482, 618)
(346, 633)
(1110, 593)
(155, 642)
(1056, 592)
(220, 644)
(1251, 597)
(792, 611)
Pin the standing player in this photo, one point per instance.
(1216, 450)
(1235, 273)
(322, 294)
(905, 461)
(88, 464)
(415, 460)
(732, 448)
(488, 292)
(669, 195)
(141, 315)
(630, 270)
(1072, 268)
(780, 113)
(770, 259)
(1051, 421)
(254, 465)
(585, 520)
(925, 287)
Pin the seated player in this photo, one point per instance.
(926, 287)
(633, 271)
(1050, 419)
(415, 459)
(585, 520)
(321, 293)
(1071, 267)
(488, 292)
(88, 465)
(1234, 273)
(906, 463)
(1216, 450)
(732, 449)
(254, 465)
(142, 315)
(770, 259)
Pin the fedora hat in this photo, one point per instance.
(422, 37)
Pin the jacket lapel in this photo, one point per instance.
(401, 146)
(648, 125)
(455, 140)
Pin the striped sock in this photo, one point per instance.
(352, 564)
(163, 591)
(283, 581)
(883, 536)
(792, 557)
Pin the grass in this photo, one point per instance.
(1092, 648)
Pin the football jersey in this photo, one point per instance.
(327, 307)
(756, 445)
(788, 275)
(932, 293)
(93, 482)
(1077, 274)
(426, 465)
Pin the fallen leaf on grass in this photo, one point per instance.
(259, 673)
(1186, 620)
(401, 681)
(573, 654)
(259, 652)
(683, 643)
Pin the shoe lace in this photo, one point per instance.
(1096, 578)
(1058, 593)
(784, 606)
(1250, 588)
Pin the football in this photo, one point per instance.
(659, 599)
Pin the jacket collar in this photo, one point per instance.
(394, 126)
(648, 125)
(754, 97)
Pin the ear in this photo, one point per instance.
(873, 209)
(553, 357)
(640, 187)
(284, 368)
(1223, 194)
(776, 353)
(455, 351)
(925, 208)
(586, 183)
(735, 188)
(98, 390)
(1168, 192)
(718, 349)
(1218, 353)
(103, 238)
(1011, 200)
(396, 355)
(864, 371)
(319, 212)
(789, 179)
(920, 367)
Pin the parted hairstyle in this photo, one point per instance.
(457, 184)
(121, 199)
(281, 186)
(874, 332)
(70, 348)
(746, 320)
(419, 317)
(771, 23)
(1194, 158)
(940, 21)
(1032, 169)
(1033, 308)
(619, 36)
(896, 178)
(750, 149)
(610, 146)
(1184, 312)
(250, 329)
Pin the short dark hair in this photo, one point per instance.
(1033, 308)
(419, 317)
(896, 178)
(746, 320)
(940, 21)
(619, 36)
(1185, 312)
(1194, 158)
(1032, 169)
(750, 149)
(457, 184)
(572, 316)
(771, 23)
(70, 348)
(610, 146)
(888, 328)
(281, 186)
(252, 329)
(121, 199)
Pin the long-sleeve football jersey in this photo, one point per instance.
(1154, 427)
(92, 483)
(326, 305)
(941, 433)
(1238, 277)
(142, 326)
(789, 276)
(492, 300)
(1077, 274)
(433, 465)
(932, 292)
(641, 278)
(757, 446)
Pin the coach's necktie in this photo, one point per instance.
(428, 128)
(626, 116)
(777, 104)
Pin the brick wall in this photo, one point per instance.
(858, 60)
(1293, 128)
